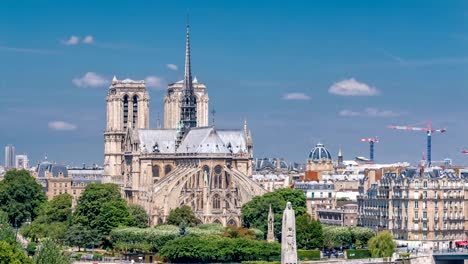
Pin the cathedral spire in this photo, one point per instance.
(188, 67)
(188, 106)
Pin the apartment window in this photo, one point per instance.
(416, 184)
(425, 195)
(425, 184)
(416, 204)
(66, 185)
(424, 214)
(313, 194)
(424, 204)
(329, 195)
(55, 185)
(321, 195)
(416, 214)
(424, 236)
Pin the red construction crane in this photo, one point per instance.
(371, 146)
(429, 130)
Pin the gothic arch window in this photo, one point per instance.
(125, 111)
(206, 175)
(227, 181)
(217, 222)
(232, 222)
(156, 170)
(218, 177)
(167, 169)
(135, 111)
(216, 202)
(227, 200)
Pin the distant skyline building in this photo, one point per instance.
(9, 156)
(22, 162)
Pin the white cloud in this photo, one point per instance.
(62, 126)
(172, 67)
(369, 112)
(88, 39)
(351, 87)
(90, 79)
(296, 96)
(155, 82)
(73, 40)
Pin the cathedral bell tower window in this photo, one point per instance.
(125, 111)
(135, 111)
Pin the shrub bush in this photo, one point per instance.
(308, 254)
(357, 253)
(98, 256)
(218, 249)
(261, 262)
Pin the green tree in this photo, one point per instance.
(53, 220)
(382, 245)
(6, 232)
(138, 216)
(12, 254)
(113, 214)
(21, 197)
(81, 236)
(101, 208)
(50, 253)
(91, 200)
(337, 236)
(183, 214)
(309, 232)
(59, 209)
(255, 212)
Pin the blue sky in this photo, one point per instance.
(299, 71)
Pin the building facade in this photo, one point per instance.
(345, 215)
(427, 207)
(184, 163)
(319, 195)
(9, 157)
(58, 179)
(22, 162)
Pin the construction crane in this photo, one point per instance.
(371, 146)
(428, 130)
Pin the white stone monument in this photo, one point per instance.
(288, 236)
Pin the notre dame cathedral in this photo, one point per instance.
(187, 162)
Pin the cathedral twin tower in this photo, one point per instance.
(128, 107)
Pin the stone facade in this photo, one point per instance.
(127, 108)
(417, 205)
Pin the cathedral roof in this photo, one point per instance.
(204, 140)
(165, 139)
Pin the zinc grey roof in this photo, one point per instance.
(203, 140)
(54, 169)
(236, 138)
(165, 139)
